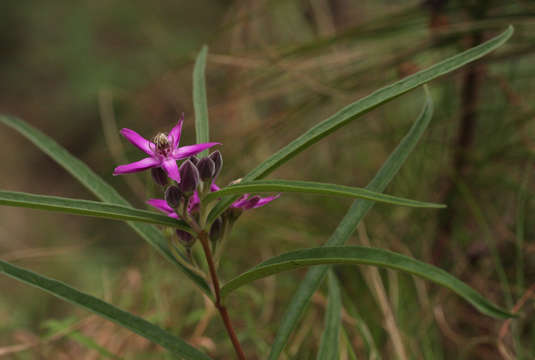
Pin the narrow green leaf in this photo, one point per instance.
(361, 255)
(87, 208)
(101, 189)
(330, 339)
(362, 106)
(347, 226)
(309, 187)
(134, 323)
(81, 339)
(200, 104)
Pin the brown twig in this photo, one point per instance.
(203, 238)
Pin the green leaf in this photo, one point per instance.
(330, 339)
(361, 255)
(362, 106)
(101, 189)
(200, 104)
(309, 187)
(347, 226)
(136, 324)
(87, 208)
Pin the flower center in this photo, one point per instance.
(163, 146)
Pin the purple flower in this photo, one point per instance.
(245, 202)
(163, 151)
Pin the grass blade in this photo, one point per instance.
(100, 188)
(330, 339)
(200, 103)
(87, 208)
(136, 324)
(362, 106)
(309, 187)
(347, 226)
(361, 255)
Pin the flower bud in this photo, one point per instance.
(206, 169)
(189, 176)
(159, 176)
(185, 238)
(218, 162)
(216, 230)
(172, 196)
(193, 159)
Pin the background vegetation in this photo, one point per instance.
(80, 71)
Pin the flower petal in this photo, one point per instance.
(161, 205)
(138, 141)
(171, 168)
(242, 200)
(266, 200)
(214, 187)
(186, 151)
(140, 165)
(175, 133)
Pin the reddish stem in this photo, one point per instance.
(203, 237)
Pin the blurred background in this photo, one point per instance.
(80, 71)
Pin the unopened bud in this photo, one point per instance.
(193, 159)
(185, 238)
(159, 176)
(218, 161)
(206, 169)
(216, 230)
(189, 177)
(172, 196)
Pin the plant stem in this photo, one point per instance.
(203, 237)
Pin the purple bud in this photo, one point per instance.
(189, 176)
(216, 230)
(193, 159)
(159, 176)
(206, 169)
(185, 238)
(218, 162)
(172, 196)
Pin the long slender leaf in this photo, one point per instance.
(361, 255)
(134, 323)
(347, 226)
(100, 188)
(362, 106)
(330, 339)
(309, 187)
(200, 103)
(87, 208)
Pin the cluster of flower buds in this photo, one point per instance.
(186, 180)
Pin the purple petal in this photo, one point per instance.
(161, 205)
(186, 151)
(140, 165)
(214, 187)
(193, 202)
(242, 200)
(138, 141)
(171, 168)
(251, 203)
(175, 133)
(266, 200)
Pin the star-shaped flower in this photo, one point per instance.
(163, 151)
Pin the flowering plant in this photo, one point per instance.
(202, 215)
